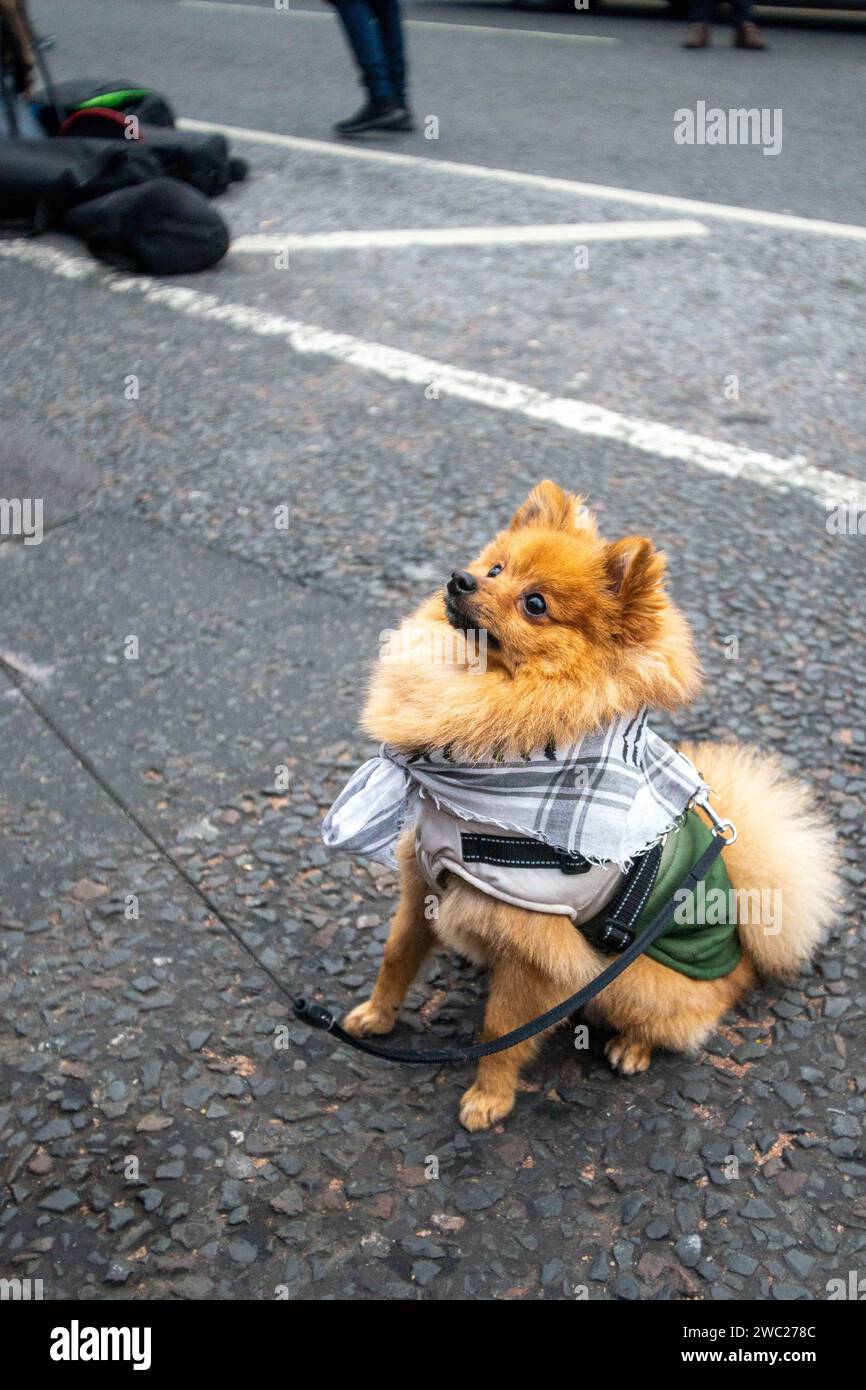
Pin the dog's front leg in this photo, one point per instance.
(518, 993)
(409, 943)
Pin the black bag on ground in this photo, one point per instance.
(127, 98)
(199, 158)
(40, 179)
(163, 228)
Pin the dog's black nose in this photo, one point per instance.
(462, 582)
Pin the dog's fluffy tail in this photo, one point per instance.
(784, 863)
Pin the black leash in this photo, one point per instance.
(317, 1016)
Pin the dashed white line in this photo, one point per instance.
(550, 34)
(755, 217)
(495, 393)
(545, 234)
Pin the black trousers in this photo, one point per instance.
(703, 11)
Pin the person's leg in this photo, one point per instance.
(385, 108)
(747, 34)
(387, 13)
(701, 11)
(700, 19)
(365, 40)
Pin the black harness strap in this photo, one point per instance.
(319, 1017)
(613, 928)
(520, 852)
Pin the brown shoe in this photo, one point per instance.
(697, 36)
(748, 35)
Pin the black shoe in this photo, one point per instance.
(373, 115)
(403, 119)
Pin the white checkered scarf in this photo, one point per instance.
(610, 796)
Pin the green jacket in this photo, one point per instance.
(703, 941)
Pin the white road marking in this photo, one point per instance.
(407, 23)
(496, 393)
(777, 221)
(574, 232)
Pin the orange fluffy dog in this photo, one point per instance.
(604, 641)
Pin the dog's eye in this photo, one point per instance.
(534, 605)
(491, 574)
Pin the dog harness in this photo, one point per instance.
(566, 831)
(529, 874)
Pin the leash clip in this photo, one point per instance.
(720, 827)
(306, 1011)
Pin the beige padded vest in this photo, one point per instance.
(438, 850)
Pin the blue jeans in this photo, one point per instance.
(376, 39)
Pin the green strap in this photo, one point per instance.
(114, 99)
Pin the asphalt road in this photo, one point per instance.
(148, 863)
(565, 105)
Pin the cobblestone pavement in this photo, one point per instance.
(165, 1129)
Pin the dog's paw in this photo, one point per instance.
(479, 1109)
(369, 1018)
(627, 1056)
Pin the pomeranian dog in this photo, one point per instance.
(579, 632)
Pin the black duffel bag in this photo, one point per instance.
(199, 158)
(163, 228)
(41, 179)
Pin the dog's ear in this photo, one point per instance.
(547, 505)
(635, 570)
